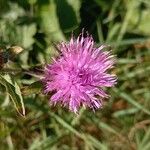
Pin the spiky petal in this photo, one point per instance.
(78, 76)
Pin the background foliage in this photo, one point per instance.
(123, 123)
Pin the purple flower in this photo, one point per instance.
(78, 75)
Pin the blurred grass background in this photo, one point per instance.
(124, 121)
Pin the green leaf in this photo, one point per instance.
(34, 88)
(125, 112)
(13, 11)
(129, 99)
(139, 22)
(26, 33)
(69, 9)
(113, 31)
(86, 137)
(14, 92)
(97, 143)
(142, 140)
(49, 20)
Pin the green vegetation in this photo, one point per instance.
(37, 25)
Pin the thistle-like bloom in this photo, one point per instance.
(77, 77)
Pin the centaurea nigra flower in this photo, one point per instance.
(77, 77)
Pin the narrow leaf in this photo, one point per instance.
(15, 94)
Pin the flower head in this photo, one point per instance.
(78, 76)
